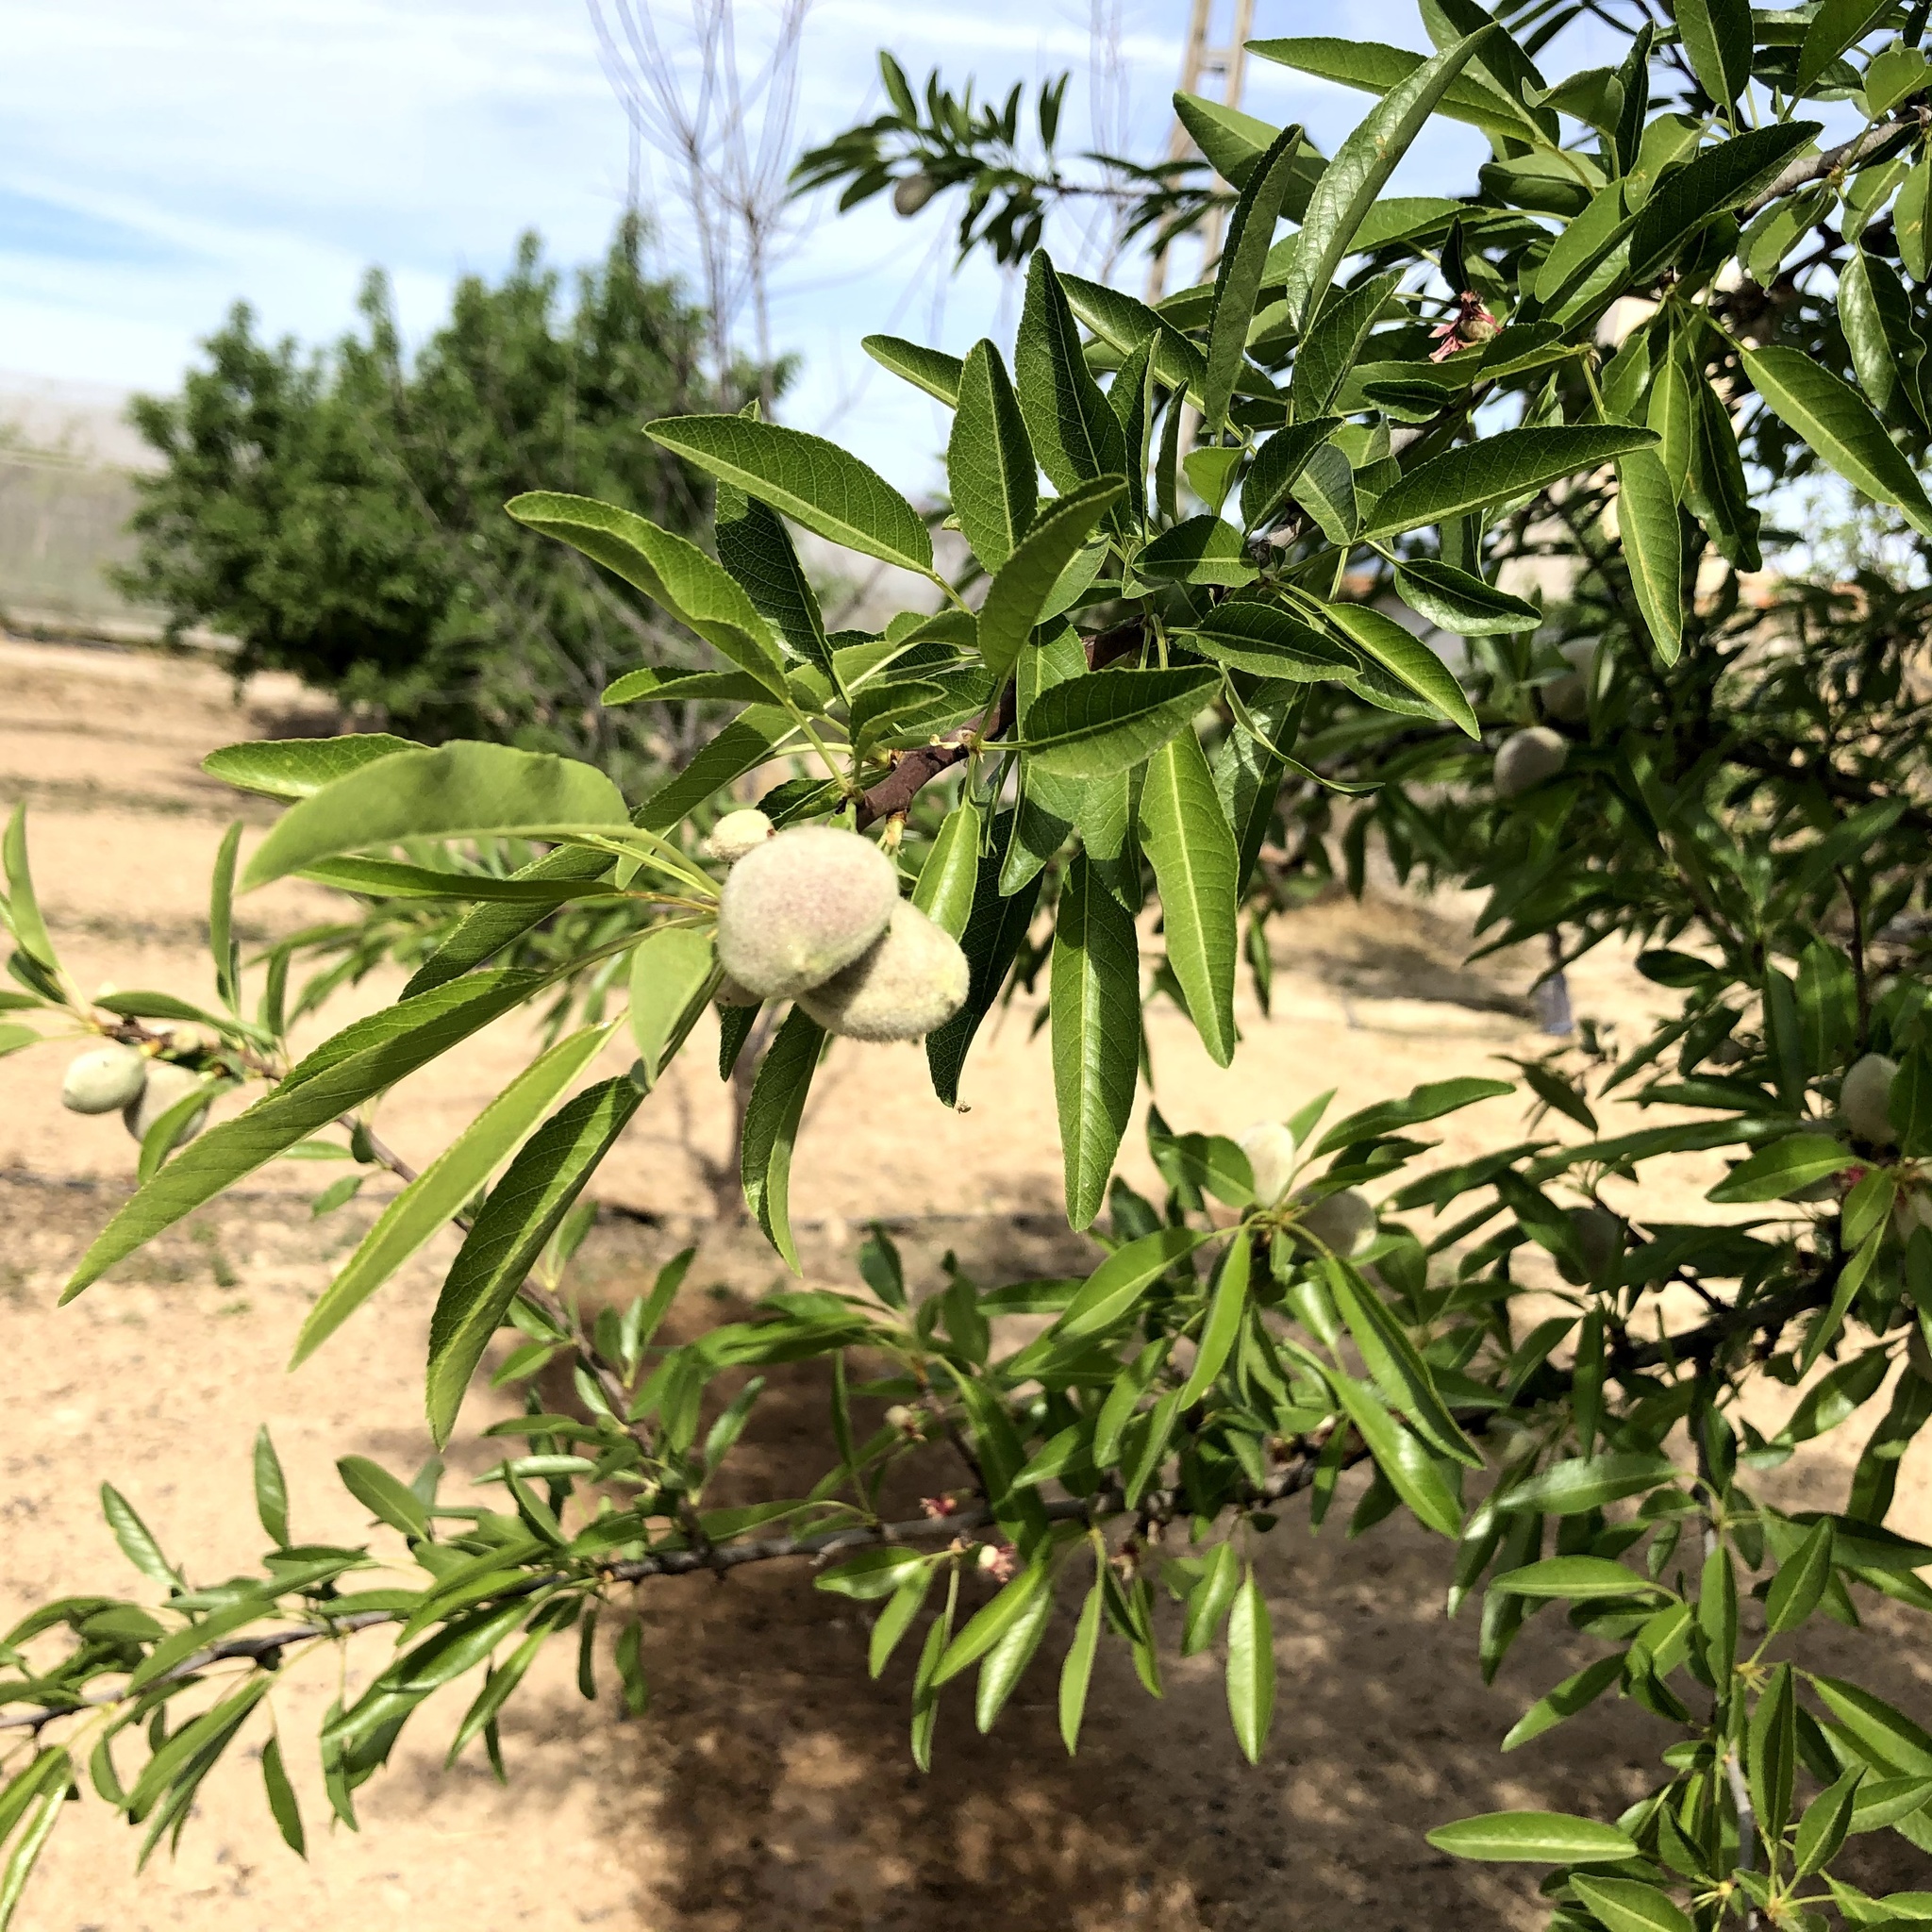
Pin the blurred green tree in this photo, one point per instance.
(339, 513)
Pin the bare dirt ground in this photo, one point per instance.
(769, 1783)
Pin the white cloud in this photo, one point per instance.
(158, 163)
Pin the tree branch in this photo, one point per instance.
(893, 794)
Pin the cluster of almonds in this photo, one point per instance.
(813, 913)
(1527, 758)
(118, 1078)
(1343, 1223)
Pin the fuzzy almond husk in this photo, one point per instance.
(736, 833)
(912, 980)
(1345, 1223)
(1271, 1151)
(802, 905)
(104, 1080)
(1525, 758)
(166, 1084)
(1864, 1098)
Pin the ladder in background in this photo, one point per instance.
(1228, 62)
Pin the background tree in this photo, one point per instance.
(1185, 679)
(340, 515)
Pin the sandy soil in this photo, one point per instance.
(769, 1783)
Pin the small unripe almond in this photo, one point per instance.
(104, 1080)
(166, 1084)
(1599, 1236)
(1269, 1148)
(1567, 698)
(914, 978)
(1527, 757)
(730, 993)
(735, 834)
(911, 194)
(900, 1417)
(1864, 1098)
(1345, 1223)
(799, 906)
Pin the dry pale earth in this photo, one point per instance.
(769, 1784)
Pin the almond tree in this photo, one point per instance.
(1178, 686)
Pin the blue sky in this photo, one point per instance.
(157, 163)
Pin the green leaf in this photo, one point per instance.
(1018, 596)
(1200, 550)
(1836, 26)
(670, 969)
(1270, 642)
(1402, 1457)
(1485, 475)
(1190, 847)
(1626, 1904)
(1455, 601)
(461, 791)
(1237, 277)
(1277, 463)
(1006, 1662)
(1095, 1009)
(292, 768)
(23, 907)
(1094, 726)
(270, 1488)
(447, 1184)
(872, 1573)
(1713, 180)
(1586, 1483)
(384, 1496)
(896, 1618)
(1333, 347)
(1077, 1672)
(282, 1803)
(772, 1119)
(1799, 1585)
(1534, 1838)
(1777, 1172)
(1232, 141)
(520, 1215)
(755, 547)
(45, 1806)
(1378, 69)
(1582, 1579)
(807, 478)
(1395, 1363)
(1074, 430)
(1825, 1823)
(990, 463)
(1250, 1669)
(932, 369)
(1838, 424)
(1113, 1290)
(1127, 324)
(1909, 222)
(1716, 37)
(1428, 1102)
(1652, 543)
(1353, 180)
(1885, 1738)
(994, 931)
(670, 570)
(1224, 1325)
(1015, 1601)
(1565, 1700)
(946, 881)
(1877, 318)
(1404, 656)
(137, 1540)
